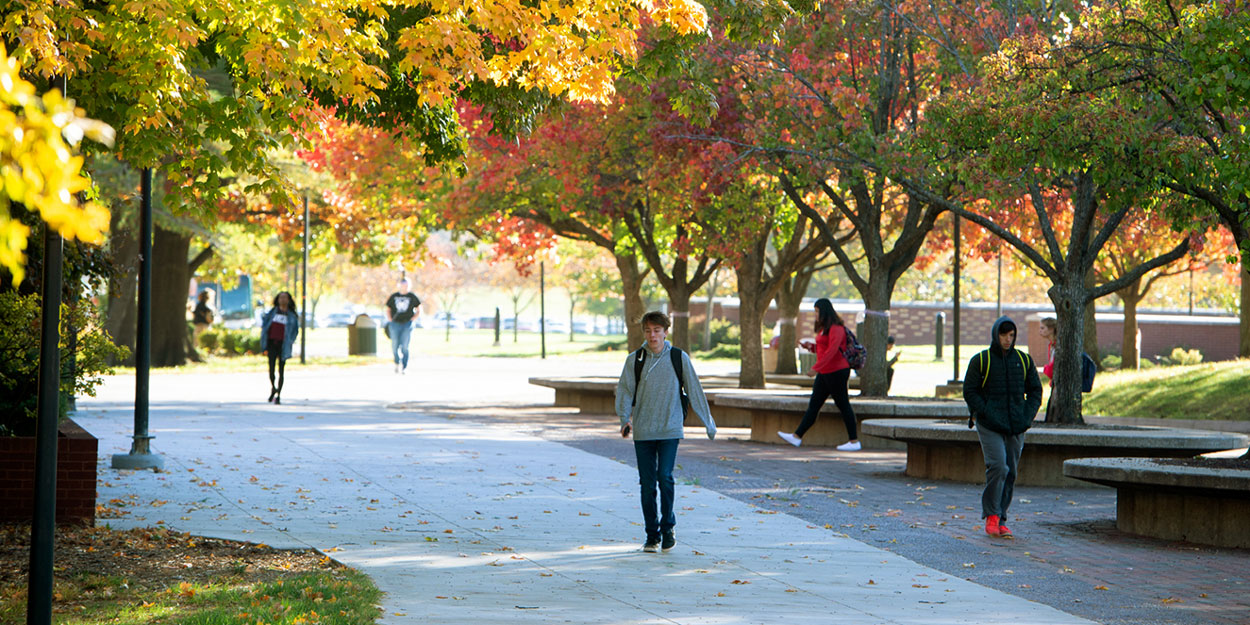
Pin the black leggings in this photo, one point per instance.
(274, 349)
(825, 385)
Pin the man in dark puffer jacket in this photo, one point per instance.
(1003, 393)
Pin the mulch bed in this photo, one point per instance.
(151, 558)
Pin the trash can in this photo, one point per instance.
(807, 360)
(362, 337)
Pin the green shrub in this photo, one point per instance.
(1111, 362)
(723, 351)
(19, 358)
(226, 342)
(1180, 357)
(724, 332)
(210, 340)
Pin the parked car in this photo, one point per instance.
(337, 320)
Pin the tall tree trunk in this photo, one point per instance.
(122, 308)
(1066, 396)
(1089, 341)
(631, 284)
(1243, 348)
(1131, 296)
(788, 302)
(872, 334)
(752, 305)
(679, 309)
(171, 279)
(751, 308)
(572, 307)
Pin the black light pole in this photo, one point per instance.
(303, 301)
(141, 456)
(955, 324)
(47, 411)
(542, 306)
(43, 527)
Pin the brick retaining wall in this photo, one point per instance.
(75, 476)
(912, 323)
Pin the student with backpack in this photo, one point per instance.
(657, 386)
(1049, 330)
(833, 371)
(1003, 393)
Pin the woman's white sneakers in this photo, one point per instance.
(849, 446)
(790, 438)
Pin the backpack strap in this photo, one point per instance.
(675, 354)
(984, 358)
(639, 357)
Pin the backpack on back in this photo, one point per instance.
(1088, 370)
(853, 352)
(674, 353)
(984, 358)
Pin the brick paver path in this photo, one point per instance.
(1067, 552)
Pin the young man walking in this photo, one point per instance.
(651, 405)
(1003, 393)
(401, 307)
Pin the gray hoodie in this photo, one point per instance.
(658, 414)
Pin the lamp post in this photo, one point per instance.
(141, 456)
(303, 301)
(542, 306)
(955, 320)
(43, 527)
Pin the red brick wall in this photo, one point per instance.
(75, 476)
(913, 323)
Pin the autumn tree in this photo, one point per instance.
(1138, 240)
(210, 90)
(1043, 136)
(834, 100)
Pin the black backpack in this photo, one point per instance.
(675, 354)
(1088, 370)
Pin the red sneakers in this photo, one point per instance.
(991, 525)
(1003, 532)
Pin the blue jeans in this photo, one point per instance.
(655, 467)
(401, 331)
(1002, 457)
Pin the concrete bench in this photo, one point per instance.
(597, 395)
(1198, 504)
(773, 411)
(951, 451)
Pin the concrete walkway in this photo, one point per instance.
(462, 522)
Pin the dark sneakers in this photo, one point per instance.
(668, 541)
(652, 545)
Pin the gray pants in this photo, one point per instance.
(1002, 456)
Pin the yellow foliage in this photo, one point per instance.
(38, 166)
(569, 48)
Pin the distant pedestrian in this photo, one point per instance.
(1003, 393)
(401, 307)
(1049, 330)
(202, 316)
(279, 327)
(651, 404)
(832, 373)
(891, 360)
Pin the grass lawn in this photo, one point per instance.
(1216, 390)
(155, 576)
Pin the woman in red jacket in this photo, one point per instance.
(832, 374)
